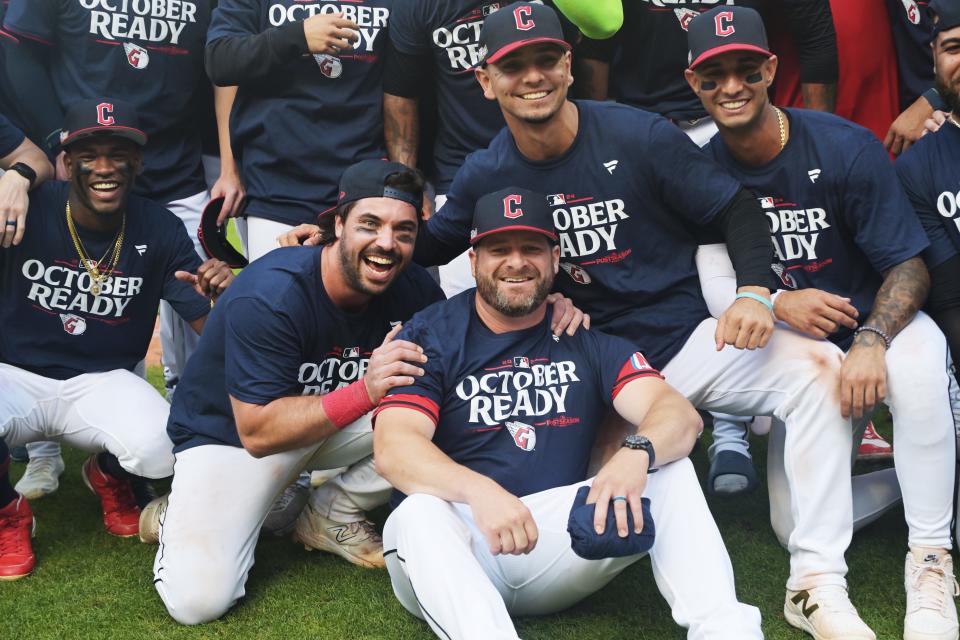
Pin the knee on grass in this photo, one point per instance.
(197, 603)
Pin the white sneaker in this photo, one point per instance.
(41, 477)
(357, 542)
(151, 517)
(931, 588)
(826, 613)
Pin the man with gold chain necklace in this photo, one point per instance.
(848, 245)
(78, 303)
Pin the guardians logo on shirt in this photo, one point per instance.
(370, 20)
(674, 3)
(794, 231)
(144, 20)
(65, 287)
(342, 366)
(517, 390)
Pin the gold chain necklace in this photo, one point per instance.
(783, 129)
(93, 268)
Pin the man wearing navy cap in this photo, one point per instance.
(283, 379)
(78, 303)
(493, 441)
(848, 246)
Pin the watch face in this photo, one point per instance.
(635, 441)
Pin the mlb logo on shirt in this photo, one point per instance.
(352, 352)
(490, 8)
(521, 362)
(639, 363)
(72, 324)
(524, 435)
(137, 56)
(556, 200)
(766, 203)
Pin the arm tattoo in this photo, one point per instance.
(903, 292)
(401, 128)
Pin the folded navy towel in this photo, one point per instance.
(587, 544)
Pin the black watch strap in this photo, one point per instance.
(642, 442)
(26, 171)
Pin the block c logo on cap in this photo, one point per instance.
(511, 204)
(104, 111)
(724, 23)
(522, 16)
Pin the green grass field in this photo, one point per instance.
(90, 585)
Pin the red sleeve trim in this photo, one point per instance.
(10, 36)
(635, 367)
(424, 405)
(29, 36)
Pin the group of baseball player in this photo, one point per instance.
(607, 268)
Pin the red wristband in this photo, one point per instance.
(348, 404)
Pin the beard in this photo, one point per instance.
(490, 292)
(949, 95)
(350, 267)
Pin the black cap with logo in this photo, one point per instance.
(518, 25)
(945, 14)
(512, 209)
(101, 117)
(724, 29)
(368, 179)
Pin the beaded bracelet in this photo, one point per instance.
(883, 336)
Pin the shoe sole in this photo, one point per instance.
(875, 456)
(321, 544)
(86, 481)
(33, 534)
(730, 484)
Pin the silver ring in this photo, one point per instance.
(11, 223)
(618, 498)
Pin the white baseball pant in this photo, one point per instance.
(178, 340)
(456, 275)
(443, 572)
(259, 235)
(918, 397)
(115, 411)
(219, 499)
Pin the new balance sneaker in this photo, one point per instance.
(150, 517)
(826, 613)
(121, 515)
(931, 587)
(873, 446)
(286, 509)
(358, 542)
(41, 477)
(731, 474)
(16, 528)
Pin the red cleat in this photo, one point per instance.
(121, 515)
(16, 529)
(873, 446)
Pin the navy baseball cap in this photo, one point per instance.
(724, 29)
(945, 15)
(368, 179)
(101, 117)
(512, 209)
(518, 25)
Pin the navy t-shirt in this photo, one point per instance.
(911, 26)
(837, 214)
(8, 106)
(520, 407)
(930, 174)
(295, 132)
(624, 197)
(275, 333)
(10, 137)
(148, 53)
(449, 31)
(53, 325)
